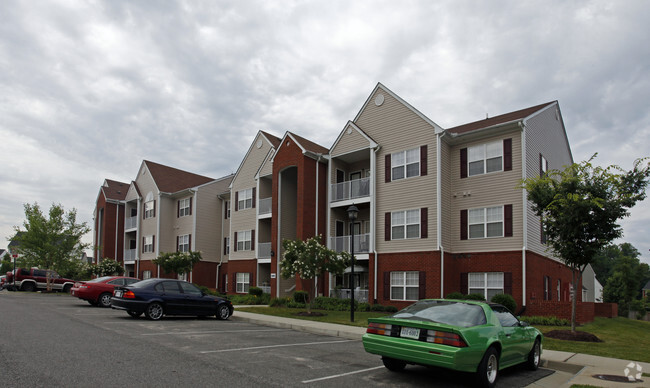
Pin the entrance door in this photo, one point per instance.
(340, 188)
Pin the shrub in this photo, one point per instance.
(507, 300)
(296, 305)
(301, 297)
(546, 321)
(455, 295)
(479, 297)
(279, 302)
(255, 291)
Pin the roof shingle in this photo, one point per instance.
(501, 119)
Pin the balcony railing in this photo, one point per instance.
(129, 256)
(344, 293)
(349, 190)
(265, 289)
(265, 205)
(264, 250)
(130, 223)
(342, 243)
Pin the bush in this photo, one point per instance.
(296, 305)
(301, 297)
(255, 291)
(546, 321)
(279, 302)
(455, 295)
(478, 297)
(507, 300)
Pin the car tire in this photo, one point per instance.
(29, 287)
(488, 369)
(154, 311)
(67, 288)
(534, 357)
(104, 300)
(223, 312)
(393, 365)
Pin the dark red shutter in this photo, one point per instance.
(464, 283)
(254, 197)
(253, 240)
(387, 225)
(388, 174)
(178, 209)
(507, 220)
(424, 222)
(189, 242)
(225, 245)
(234, 245)
(143, 210)
(463, 224)
(143, 241)
(154, 207)
(386, 286)
(190, 205)
(507, 283)
(178, 244)
(153, 244)
(250, 280)
(423, 160)
(507, 154)
(463, 163)
(422, 285)
(236, 200)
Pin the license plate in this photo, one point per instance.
(118, 293)
(410, 332)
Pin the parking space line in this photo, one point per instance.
(275, 346)
(341, 375)
(208, 332)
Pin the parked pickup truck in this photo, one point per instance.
(32, 279)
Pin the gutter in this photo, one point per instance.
(525, 214)
(373, 214)
(216, 283)
(439, 216)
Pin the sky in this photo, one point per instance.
(88, 89)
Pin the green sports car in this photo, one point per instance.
(461, 335)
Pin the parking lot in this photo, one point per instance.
(59, 340)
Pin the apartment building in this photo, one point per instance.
(108, 231)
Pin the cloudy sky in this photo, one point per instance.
(88, 89)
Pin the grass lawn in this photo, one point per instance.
(622, 338)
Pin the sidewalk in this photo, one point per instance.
(570, 368)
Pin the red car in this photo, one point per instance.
(98, 292)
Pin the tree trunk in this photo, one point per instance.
(574, 298)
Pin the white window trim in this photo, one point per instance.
(227, 245)
(485, 286)
(404, 286)
(146, 275)
(184, 207)
(485, 222)
(404, 165)
(485, 158)
(243, 281)
(184, 243)
(244, 197)
(244, 236)
(149, 209)
(148, 244)
(405, 225)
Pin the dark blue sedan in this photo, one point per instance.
(158, 297)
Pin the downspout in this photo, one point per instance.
(157, 249)
(117, 229)
(373, 213)
(196, 207)
(316, 224)
(225, 211)
(137, 238)
(525, 214)
(439, 217)
(328, 216)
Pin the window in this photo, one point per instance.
(227, 212)
(182, 276)
(405, 224)
(487, 284)
(147, 246)
(149, 209)
(547, 288)
(226, 246)
(183, 244)
(185, 207)
(405, 164)
(559, 283)
(404, 285)
(146, 275)
(505, 316)
(245, 199)
(243, 282)
(543, 165)
(486, 222)
(485, 158)
(244, 242)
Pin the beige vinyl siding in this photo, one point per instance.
(149, 226)
(487, 190)
(246, 219)
(166, 239)
(446, 171)
(288, 215)
(208, 213)
(397, 128)
(132, 195)
(341, 214)
(544, 134)
(349, 142)
(267, 168)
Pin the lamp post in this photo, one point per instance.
(352, 215)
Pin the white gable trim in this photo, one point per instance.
(350, 124)
(260, 134)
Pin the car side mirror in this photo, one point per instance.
(523, 324)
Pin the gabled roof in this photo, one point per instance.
(501, 119)
(114, 190)
(171, 180)
(350, 124)
(274, 140)
(308, 145)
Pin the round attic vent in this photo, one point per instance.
(379, 99)
(259, 143)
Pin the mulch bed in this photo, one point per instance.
(569, 335)
(310, 314)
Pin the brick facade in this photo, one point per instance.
(238, 266)
(426, 262)
(110, 234)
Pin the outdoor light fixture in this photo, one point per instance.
(353, 212)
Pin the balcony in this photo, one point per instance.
(342, 243)
(265, 206)
(344, 293)
(264, 250)
(129, 256)
(130, 223)
(343, 191)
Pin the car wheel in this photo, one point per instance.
(223, 312)
(30, 287)
(488, 369)
(67, 288)
(393, 365)
(534, 356)
(133, 314)
(154, 311)
(104, 300)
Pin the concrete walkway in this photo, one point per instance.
(570, 368)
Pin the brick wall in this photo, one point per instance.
(236, 266)
(607, 310)
(428, 262)
(584, 310)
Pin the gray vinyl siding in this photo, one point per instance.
(487, 190)
(149, 226)
(545, 135)
(349, 142)
(267, 168)
(166, 239)
(446, 196)
(397, 128)
(208, 213)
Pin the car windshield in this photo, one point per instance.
(144, 283)
(447, 312)
(99, 280)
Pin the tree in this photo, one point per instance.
(309, 259)
(52, 242)
(178, 262)
(107, 267)
(580, 207)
